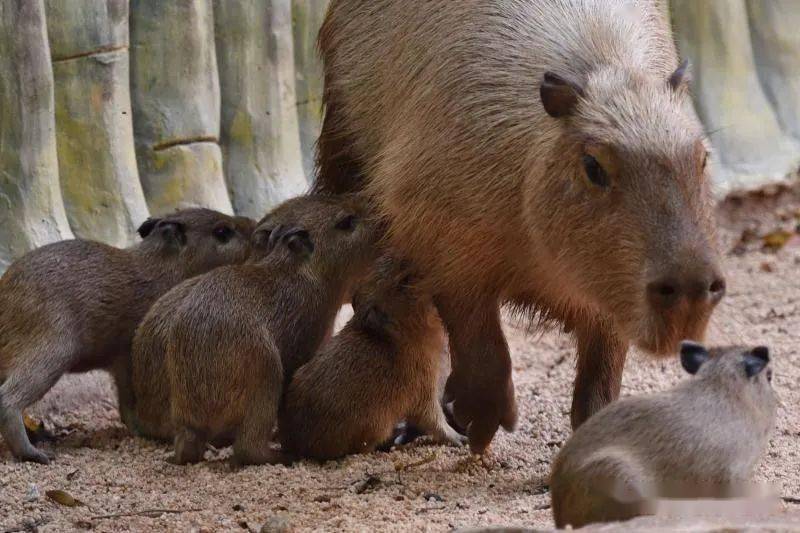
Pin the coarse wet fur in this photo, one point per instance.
(383, 367)
(236, 334)
(539, 154)
(73, 306)
(701, 439)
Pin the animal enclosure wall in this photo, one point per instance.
(121, 109)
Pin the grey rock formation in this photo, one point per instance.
(31, 209)
(176, 104)
(260, 140)
(94, 131)
(750, 145)
(307, 17)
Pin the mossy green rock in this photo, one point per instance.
(97, 161)
(176, 103)
(307, 17)
(31, 209)
(260, 140)
(750, 144)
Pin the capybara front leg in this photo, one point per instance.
(480, 384)
(122, 371)
(601, 359)
(252, 444)
(190, 446)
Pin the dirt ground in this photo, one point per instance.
(422, 487)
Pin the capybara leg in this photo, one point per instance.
(480, 384)
(601, 358)
(252, 444)
(122, 370)
(33, 376)
(190, 446)
(433, 422)
(337, 169)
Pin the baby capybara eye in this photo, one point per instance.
(348, 223)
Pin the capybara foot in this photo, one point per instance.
(190, 447)
(260, 457)
(482, 411)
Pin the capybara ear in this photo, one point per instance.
(559, 96)
(172, 231)
(261, 238)
(680, 78)
(147, 227)
(375, 320)
(756, 361)
(299, 242)
(693, 355)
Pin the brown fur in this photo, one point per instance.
(230, 338)
(434, 108)
(383, 367)
(73, 306)
(701, 439)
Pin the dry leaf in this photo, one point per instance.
(63, 498)
(35, 428)
(777, 239)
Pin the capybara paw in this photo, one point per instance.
(35, 456)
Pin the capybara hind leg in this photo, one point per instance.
(190, 446)
(122, 371)
(31, 378)
(252, 444)
(480, 384)
(601, 359)
(433, 422)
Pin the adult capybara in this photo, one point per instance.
(382, 368)
(701, 439)
(236, 334)
(73, 306)
(542, 154)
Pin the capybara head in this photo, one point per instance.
(633, 233)
(198, 240)
(340, 230)
(391, 300)
(734, 364)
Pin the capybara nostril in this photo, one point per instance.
(717, 289)
(663, 293)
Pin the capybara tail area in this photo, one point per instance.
(338, 170)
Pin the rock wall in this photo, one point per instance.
(124, 108)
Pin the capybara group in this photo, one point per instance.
(382, 368)
(74, 305)
(539, 154)
(701, 439)
(235, 334)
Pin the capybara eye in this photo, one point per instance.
(595, 172)
(223, 233)
(348, 223)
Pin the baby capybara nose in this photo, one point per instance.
(665, 293)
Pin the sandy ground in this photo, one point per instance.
(422, 487)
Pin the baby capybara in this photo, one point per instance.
(73, 306)
(383, 367)
(702, 438)
(235, 334)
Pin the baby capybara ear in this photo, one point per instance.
(693, 355)
(756, 361)
(147, 227)
(172, 232)
(299, 242)
(375, 320)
